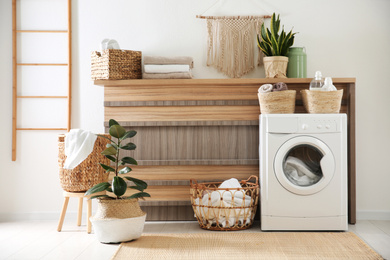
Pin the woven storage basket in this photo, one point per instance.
(118, 208)
(88, 173)
(278, 102)
(116, 64)
(222, 209)
(322, 102)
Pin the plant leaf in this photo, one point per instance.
(105, 137)
(112, 158)
(129, 160)
(138, 195)
(107, 168)
(98, 188)
(138, 182)
(119, 186)
(117, 131)
(124, 170)
(136, 188)
(112, 144)
(129, 134)
(112, 122)
(109, 151)
(129, 146)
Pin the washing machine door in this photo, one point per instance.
(304, 165)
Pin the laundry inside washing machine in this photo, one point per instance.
(302, 165)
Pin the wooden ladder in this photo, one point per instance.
(15, 63)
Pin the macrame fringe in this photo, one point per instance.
(231, 44)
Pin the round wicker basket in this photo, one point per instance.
(235, 209)
(88, 173)
(278, 102)
(322, 102)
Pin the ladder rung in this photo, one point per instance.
(50, 129)
(41, 31)
(42, 96)
(42, 64)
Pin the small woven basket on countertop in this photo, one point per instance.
(88, 173)
(322, 102)
(235, 209)
(277, 102)
(116, 64)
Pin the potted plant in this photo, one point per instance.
(119, 217)
(275, 47)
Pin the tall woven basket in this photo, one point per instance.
(278, 102)
(225, 209)
(88, 173)
(322, 102)
(116, 64)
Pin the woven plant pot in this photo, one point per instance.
(88, 173)
(118, 220)
(278, 102)
(322, 102)
(275, 66)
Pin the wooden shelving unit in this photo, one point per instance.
(206, 129)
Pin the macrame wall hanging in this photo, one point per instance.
(231, 42)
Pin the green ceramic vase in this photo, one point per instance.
(297, 61)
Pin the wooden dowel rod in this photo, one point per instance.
(42, 97)
(236, 17)
(14, 80)
(40, 129)
(42, 64)
(41, 31)
(69, 64)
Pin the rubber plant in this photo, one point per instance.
(118, 186)
(271, 43)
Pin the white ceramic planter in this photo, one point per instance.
(118, 230)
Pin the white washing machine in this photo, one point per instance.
(303, 171)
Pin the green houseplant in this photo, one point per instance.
(275, 46)
(119, 217)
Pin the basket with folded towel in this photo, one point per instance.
(159, 67)
(276, 99)
(79, 155)
(116, 64)
(228, 205)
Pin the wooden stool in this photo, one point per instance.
(81, 196)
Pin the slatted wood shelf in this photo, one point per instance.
(206, 129)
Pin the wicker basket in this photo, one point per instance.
(322, 102)
(277, 102)
(116, 64)
(225, 209)
(86, 174)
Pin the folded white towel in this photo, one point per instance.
(166, 68)
(78, 145)
(265, 88)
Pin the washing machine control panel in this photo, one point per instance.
(315, 125)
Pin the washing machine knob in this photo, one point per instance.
(327, 126)
(305, 126)
(319, 126)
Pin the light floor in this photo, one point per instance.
(40, 239)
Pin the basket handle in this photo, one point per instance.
(193, 182)
(252, 177)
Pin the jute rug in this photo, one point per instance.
(267, 245)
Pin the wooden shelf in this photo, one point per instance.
(206, 129)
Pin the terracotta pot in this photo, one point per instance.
(118, 221)
(275, 66)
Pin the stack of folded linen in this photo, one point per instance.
(157, 67)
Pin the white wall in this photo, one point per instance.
(342, 38)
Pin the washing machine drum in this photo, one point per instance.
(304, 165)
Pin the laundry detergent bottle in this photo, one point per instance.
(317, 82)
(328, 85)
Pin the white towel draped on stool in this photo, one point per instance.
(78, 145)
